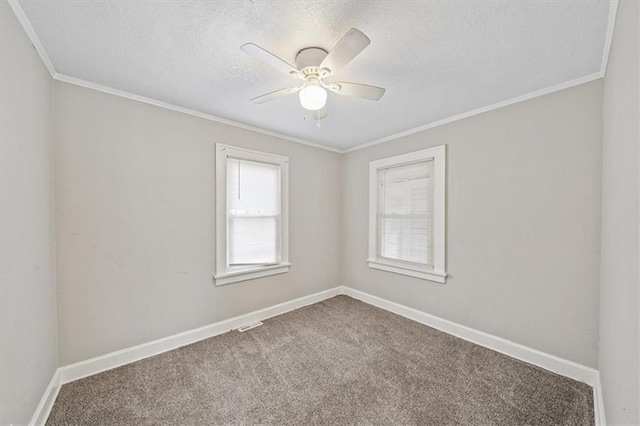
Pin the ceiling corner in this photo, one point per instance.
(613, 11)
(33, 37)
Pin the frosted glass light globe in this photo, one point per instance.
(313, 97)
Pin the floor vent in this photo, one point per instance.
(249, 326)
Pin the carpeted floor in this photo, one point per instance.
(340, 361)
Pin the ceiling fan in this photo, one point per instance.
(313, 66)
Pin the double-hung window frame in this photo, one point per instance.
(437, 273)
(223, 275)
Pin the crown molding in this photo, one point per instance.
(132, 96)
(24, 21)
(26, 25)
(491, 107)
(613, 12)
(35, 41)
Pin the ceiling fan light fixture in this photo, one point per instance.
(313, 66)
(313, 97)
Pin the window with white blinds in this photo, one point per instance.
(251, 213)
(406, 229)
(405, 196)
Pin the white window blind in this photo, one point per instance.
(405, 209)
(254, 213)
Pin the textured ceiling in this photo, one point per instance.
(436, 59)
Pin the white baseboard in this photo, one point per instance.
(541, 359)
(598, 403)
(532, 356)
(111, 360)
(46, 402)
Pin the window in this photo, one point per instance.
(407, 214)
(251, 214)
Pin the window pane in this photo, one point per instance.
(405, 212)
(407, 239)
(253, 211)
(391, 244)
(253, 188)
(253, 241)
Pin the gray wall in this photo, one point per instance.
(523, 223)
(28, 348)
(135, 223)
(619, 293)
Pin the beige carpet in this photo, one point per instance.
(340, 361)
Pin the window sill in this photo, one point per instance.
(250, 274)
(437, 276)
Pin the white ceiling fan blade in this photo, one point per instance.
(271, 59)
(363, 91)
(349, 46)
(276, 94)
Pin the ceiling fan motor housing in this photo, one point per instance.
(308, 60)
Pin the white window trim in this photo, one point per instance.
(438, 273)
(223, 275)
